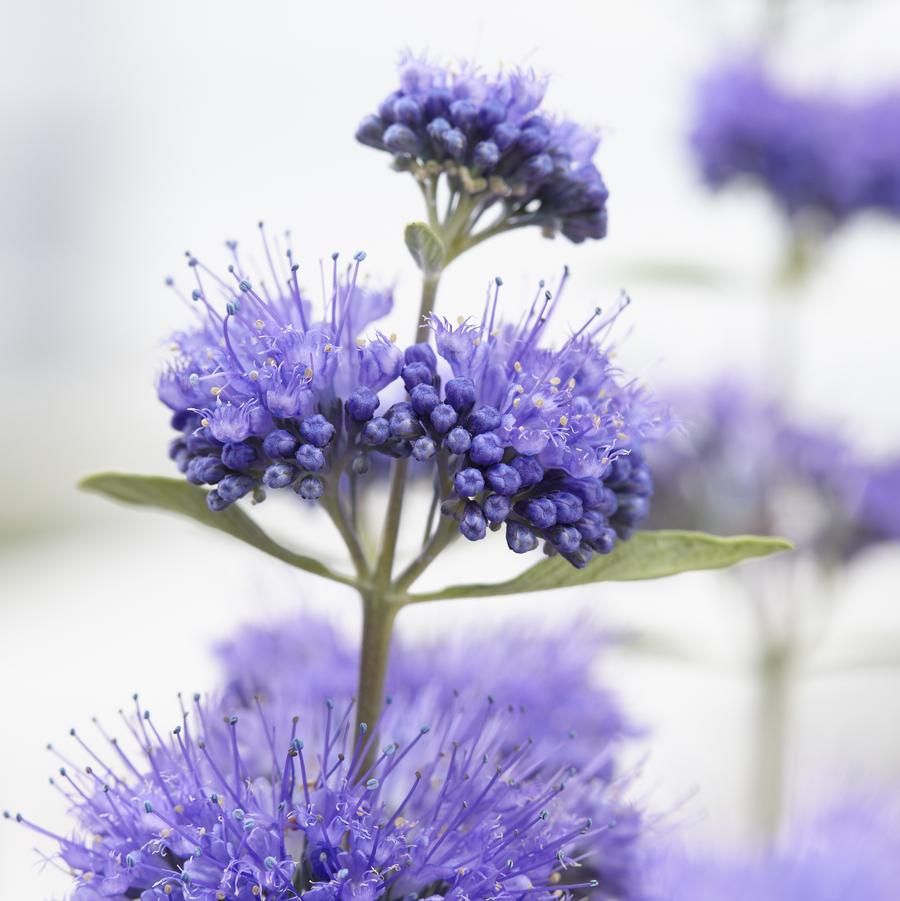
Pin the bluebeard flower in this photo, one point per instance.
(444, 812)
(814, 153)
(489, 135)
(849, 851)
(547, 441)
(747, 467)
(293, 663)
(880, 508)
(551, 439)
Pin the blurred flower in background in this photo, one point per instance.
(818, 154)
(849, 850)
(743, 465)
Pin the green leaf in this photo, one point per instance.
(425, 246)
(647, 555)
(178, 496)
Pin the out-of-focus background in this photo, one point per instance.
(134, 131)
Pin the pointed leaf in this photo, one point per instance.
(425, 246)
(647, 555)
(178, 496)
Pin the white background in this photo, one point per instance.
(132, 131)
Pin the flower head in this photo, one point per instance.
(849, 851)
(443, 811)
(815, 153)
(552, 442)
(291, 664)
(750, 468)
(489, 135)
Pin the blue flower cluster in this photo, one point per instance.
(748, 467)
(813, 152)
(546, 441)
(490, 137)
(849, 850)
(553, 447)
(441, 813)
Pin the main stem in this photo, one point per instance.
(378, 626)
(771, 737)
(429, 295)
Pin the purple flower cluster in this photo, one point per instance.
(546, 441)
(553, 447)
(849, 851)
(291, 664)
(750, 468)
(813, 152)
(490, 137)
(440, 812)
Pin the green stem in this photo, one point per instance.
(378, 625)
(429, 295)
(445, 533)
(772, 737)
(385, 565)
(335, 510)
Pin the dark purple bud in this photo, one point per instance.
(473, 524)
(569, 508)
(386, 107)
(216, 502)
(443, 418)
(237, 455)
(580, 557)
(458, 441)
(407, 111)
(503, 479)
(529, 470)
(533, 139)
(592, 524)
(401, 139)
(639, 482)
(604, 541)
(310, 458)
(360, 464)
(437, 103)
(454, 142)
(490, 113)
(371, 132)
(618, 472)
(424, 398)
(566, 539)
(463, 113)
(310, 488)
(506, 135)
(436, 129)
(539, 511)
(486, 155)
(403, 423)
(317, 430)
(376, 432)
(362, 404)
(280, 444)
(423, 449)
(607, 503)
(205, 471)
(591, 491)
(460, 393)
(468, 482)
(633, 508)
(484, 419)
(416, 374)
(520, 539)
(278, 475)
(420, 353)
(182, 458)
(536, 168)
(234, 487)
(497, 508)
(486, 449)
